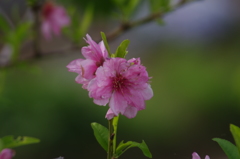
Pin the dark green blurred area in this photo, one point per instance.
(196, 96)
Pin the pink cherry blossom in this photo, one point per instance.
(196, 156)
(95, 55)
(54, 18)
(7, 154)
(123, 84)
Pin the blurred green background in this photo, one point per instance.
(194, 61)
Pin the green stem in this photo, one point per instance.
(115, 125)
(110, 139)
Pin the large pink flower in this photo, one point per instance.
(196, 156)
(7, 154)
(54, 18)
(95, 55)
(123, 84)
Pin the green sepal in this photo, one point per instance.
(122, 147)
(10, 142)
(236, 135)
(101, 133)
(106, 43)
(122, 49)
(230, 149)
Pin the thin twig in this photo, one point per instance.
(125, 26)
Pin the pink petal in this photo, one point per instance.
(207, 157)
(46, 30)
(102, 101)
(75, 66)
(130, 112)
(195, 156)
(61, 16)
(93, 51)
(117, 103)
(147, 93)
(101, 95)
(88, 68)
(7, 154)
(110, 114)
(135, 99)
(103, 49)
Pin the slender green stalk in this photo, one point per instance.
(115, 125)
(110, 139)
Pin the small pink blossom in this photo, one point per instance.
(7, 154)
(196, 156)
(54, 18)
(123, 84)
(95, 55)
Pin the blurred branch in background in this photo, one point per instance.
(78, 27)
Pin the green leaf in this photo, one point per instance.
(4, 26)
(126, 7)
(236, 135)
(101, 133)
(122, 49)
(106, 43)
(159, 5)
(122, 147)
(230, 149)
(10, 142)
(87, 19)
(22, 31)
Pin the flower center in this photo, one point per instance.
(47, 9)
(119, 82)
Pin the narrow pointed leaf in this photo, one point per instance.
(106, 43)
(122, 147)
(236, 135)
(10, 142)
(87, 19)
(101, 133)
(122, 49)
(230, 149)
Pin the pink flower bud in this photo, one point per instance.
(7, 154)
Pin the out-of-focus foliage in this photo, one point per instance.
(103, 7)
(79, 23)
(159, 5)
(126, 8)
(10, 142)
(14, 36)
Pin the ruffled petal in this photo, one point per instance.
(117, 103)
(130, 112)
(147, 93)
(195, 156)
(110, 114)
(102, 101)
(207, 157)
(75, 66)
(88, 68)
(93, 51)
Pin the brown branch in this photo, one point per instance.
(129, 25)
(124, 27)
